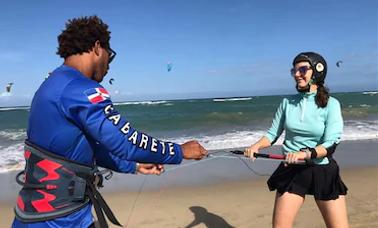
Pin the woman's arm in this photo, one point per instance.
(272, 135)
(262, 143)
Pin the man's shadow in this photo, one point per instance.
(201, 215)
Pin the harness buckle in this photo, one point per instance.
(99, 177)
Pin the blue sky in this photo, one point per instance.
(217, 48)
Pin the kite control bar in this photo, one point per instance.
(260, 155)
(270, 156)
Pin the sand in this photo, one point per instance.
(229, 202)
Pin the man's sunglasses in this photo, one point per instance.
(302, 70)
(112, 54)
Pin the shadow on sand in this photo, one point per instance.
(201, 215)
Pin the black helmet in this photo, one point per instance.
(317, 62)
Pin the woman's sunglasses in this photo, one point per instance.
(302, 70)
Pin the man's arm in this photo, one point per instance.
(109, 161)
(99, 120)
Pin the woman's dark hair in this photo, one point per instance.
(81, 34)
(322, 95)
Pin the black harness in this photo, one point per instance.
(54, 186)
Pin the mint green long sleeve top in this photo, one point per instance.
(307, 125)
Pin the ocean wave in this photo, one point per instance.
(142, 103)
(360, 130)
(353, 130)
(228, 140)
(17, 134)
(371, 93)
(11, 158)
(14, 108)
(232, 99)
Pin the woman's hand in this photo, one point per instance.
(250, 151)
(145, 169)
(294, 157)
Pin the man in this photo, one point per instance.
(73, 128)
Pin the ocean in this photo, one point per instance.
(217, 123)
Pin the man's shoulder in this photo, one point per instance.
(86, 91)
(80, 84)
(71, 78)
(70, 86)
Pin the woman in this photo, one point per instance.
(313, 126)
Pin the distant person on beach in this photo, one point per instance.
(313, 126)
(74, 128)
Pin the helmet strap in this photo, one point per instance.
(312, 81)
(307, 88)
(303, 90)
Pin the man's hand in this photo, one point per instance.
(149, 168)
(193, 150)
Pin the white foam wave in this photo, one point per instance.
(11, 158)
(18, 134)
(360, 130)
(14, 108)
(232, 99)
(141, 103)
(353, 130)
(228, 140)
(370, 93)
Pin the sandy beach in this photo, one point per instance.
(241, 204)
(232, 202)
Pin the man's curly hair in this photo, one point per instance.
(81, 34)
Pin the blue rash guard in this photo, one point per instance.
(73, 116)
(307, 125)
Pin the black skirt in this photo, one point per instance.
(321, 181)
